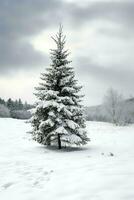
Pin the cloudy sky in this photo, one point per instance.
(100, 37)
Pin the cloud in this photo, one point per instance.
(110, 46)
(111, 76)
(15, 55)
(21, 20)
(119, 12)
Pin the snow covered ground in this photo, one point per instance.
(28, 171)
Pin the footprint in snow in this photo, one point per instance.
(43, 177)
(7, 185)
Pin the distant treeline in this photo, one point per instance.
(15, 105)
(15, 108)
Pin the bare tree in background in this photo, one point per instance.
(113, 106)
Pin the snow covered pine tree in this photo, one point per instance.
(58, 118)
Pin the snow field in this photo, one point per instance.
(101, 170)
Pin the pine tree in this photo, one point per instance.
(2, 101)
(58, 117)
(10, 104)
(20, 104)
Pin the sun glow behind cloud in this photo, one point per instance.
(21, 86)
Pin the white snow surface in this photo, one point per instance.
(61, 130)
(29, 171)
(72, 124)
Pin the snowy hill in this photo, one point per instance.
(102, 170)
(99, 113)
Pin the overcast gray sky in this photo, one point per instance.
(100, 37)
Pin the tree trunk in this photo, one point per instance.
(49, 141)
(59, 142)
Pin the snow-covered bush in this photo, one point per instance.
(4, 111)
(20, 114)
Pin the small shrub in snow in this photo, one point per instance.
(20, 114)
(4, 111)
